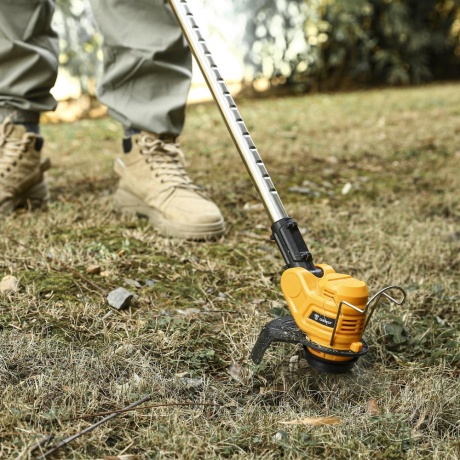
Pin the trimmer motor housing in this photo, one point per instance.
(315, 302)
(328, 318)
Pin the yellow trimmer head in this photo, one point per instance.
(328, 309)
(328, 317)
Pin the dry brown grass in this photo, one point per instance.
(61, 356)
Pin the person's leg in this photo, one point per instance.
(147, 65)
(28, 70)
(28, 58)
(147, 75)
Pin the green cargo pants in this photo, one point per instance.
(146, 70)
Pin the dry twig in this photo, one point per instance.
(151, 406)
(30, 449)
(113, 414)
(68, 440)
(79, 275)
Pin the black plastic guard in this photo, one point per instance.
(279, 330)
(286, 330)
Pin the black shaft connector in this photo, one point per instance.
(290, 242)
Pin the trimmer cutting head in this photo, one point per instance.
(323, 320)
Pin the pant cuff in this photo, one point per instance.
(19, 115)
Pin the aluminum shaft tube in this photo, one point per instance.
(236, 126)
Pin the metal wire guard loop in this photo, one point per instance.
(371, 305)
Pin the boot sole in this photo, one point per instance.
(36, 197)
(130, 204)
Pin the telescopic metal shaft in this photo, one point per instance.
(238, 130)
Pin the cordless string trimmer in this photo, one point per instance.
(328, 309)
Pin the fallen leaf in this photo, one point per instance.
(236, 372)
(315, 421)
(346, 188)
(272, 389)
(181, 375)
(373, 408)
(9, 284)
(93, 269)
(280, 436)
(396, 331)
(239, 372)
(122, 457)
(395, 390)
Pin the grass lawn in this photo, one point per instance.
(200, 306)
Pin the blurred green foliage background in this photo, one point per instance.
(306, 45)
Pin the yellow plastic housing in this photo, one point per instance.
(314, 304)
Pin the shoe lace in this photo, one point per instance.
(168, 162)
(11, 149)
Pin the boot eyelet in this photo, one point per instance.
(8, 169)
(20, 157)
(14, 163)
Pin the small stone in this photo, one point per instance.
(9, 283)
(305, 191)
(303, 363)
(294, 363)
(253, 207)
(188, 311)
(132, 283)
(94, 269)
(150, 283)
(120, 298)
(280, 436)
(181, 375)
(455, 236)
(191, 383)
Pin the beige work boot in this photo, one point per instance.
(154, 183)
(22, 183)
